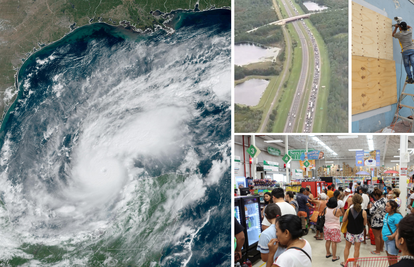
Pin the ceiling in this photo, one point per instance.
(388, 143)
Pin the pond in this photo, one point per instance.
(311, 6)
(246, 54)
(250, 92)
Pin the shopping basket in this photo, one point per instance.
(370, 261)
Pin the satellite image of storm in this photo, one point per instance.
(115, 137)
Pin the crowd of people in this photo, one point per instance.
(286, 219)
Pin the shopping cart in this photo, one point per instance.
(371, 261)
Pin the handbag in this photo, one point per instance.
(321, 221)
(314, 217)
(344, 227)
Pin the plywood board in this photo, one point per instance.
(371, 33)
(374, 83)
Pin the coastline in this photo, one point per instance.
(123, 25)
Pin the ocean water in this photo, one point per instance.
(117, 150)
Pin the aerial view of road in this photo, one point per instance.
(300, 89)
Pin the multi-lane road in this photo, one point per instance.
(301, 86)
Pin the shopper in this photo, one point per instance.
(332, 227)
(298, 251)
(291, 200)
(410, 200)
(339, 196)
(278, 196)
(391, 220)
(309, 194)
(357, 219)
(322, 204)
(340, 189)
(404, 240)
(377, 211)
(347, 199)
(330, 192)
(239, 239)
(397, 193)
(303, 201)
(365, 202)
(268, 199)
(271, 213)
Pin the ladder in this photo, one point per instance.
(400, 106)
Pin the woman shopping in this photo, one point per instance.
(377, 211)
(357, 219)
(298, 251)
(404, 239)
(332, 228)
(391, 221)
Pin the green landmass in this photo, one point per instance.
(27, 25)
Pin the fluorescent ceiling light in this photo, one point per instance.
(329, 162)
(347, 136)
(274, 141)
(355, 149)
(396, 156)
(395, 161)
(370, 142)
(324, 145)
(407, 149)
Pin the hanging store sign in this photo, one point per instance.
(316, 154)
(253, 151)
(367, 158)
(273, 151)
(270, 166)
(286, 158)
(295, 154)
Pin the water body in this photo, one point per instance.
(246, 54)
(311, 6)
(117, 151)
(250, 92)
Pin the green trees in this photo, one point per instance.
(333, 26)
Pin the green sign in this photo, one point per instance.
(253, 151)
(237, 159)
(273, 151)
(295, 154)
(270, 166)
(306, 163)
(286, 158)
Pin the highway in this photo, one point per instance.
(300, 91)
(300, 88)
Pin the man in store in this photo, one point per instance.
(239, 236)
(405, 36)
(303, 201)
(347, 199)
(330, 192)
(278, 196)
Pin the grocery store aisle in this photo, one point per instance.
(318, 252)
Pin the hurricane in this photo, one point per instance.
(117, 149)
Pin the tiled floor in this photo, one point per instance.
(319, 252)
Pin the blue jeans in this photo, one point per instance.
(408, 57)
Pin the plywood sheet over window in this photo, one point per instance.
(371, 33)
(374, 83)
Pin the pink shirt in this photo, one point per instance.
(331, 221)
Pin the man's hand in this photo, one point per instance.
(273, 245)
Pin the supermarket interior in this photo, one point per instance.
(310, 165)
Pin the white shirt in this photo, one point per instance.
(286, 208)
(295, 258)
(365, 201)
(341, 204)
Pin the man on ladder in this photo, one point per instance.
(405, 36)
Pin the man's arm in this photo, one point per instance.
(240, 241)
(395, 29)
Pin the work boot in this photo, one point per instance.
(410, 81)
